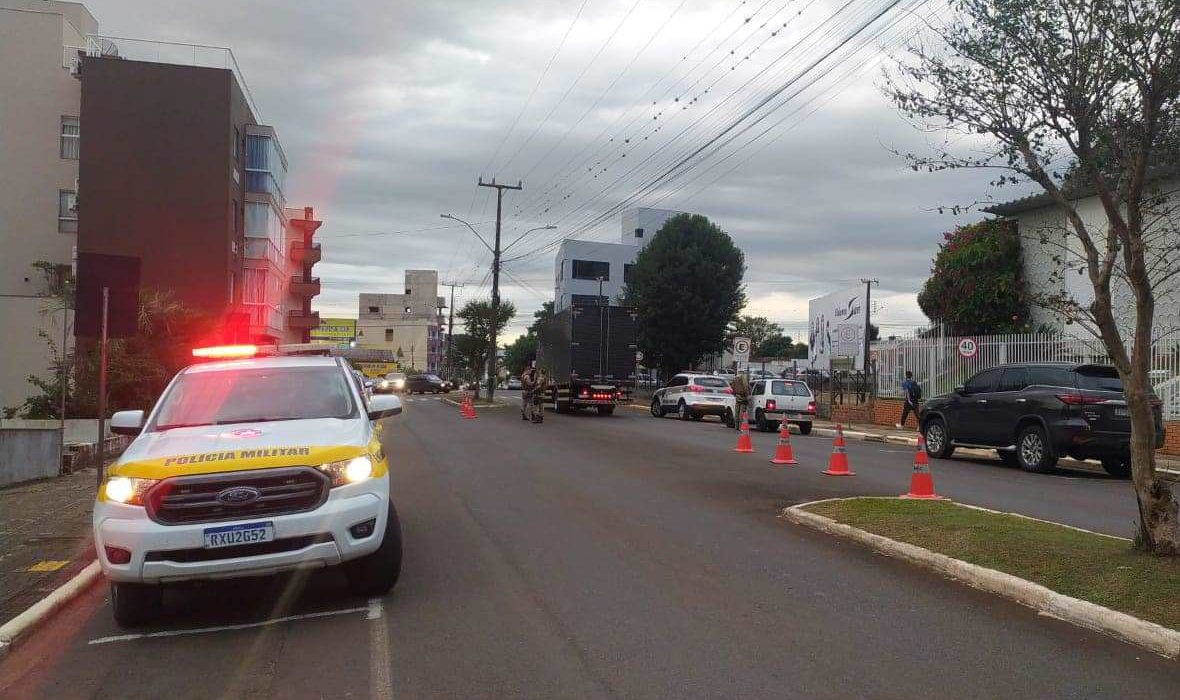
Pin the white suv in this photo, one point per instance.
(693, 396)
(773, 401)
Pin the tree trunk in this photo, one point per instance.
(1159, 513)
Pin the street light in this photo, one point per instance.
(539, 228)
(452, 217)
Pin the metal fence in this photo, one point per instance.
(940, 364)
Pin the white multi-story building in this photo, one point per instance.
(40, 101)
(409, 324)
(586, 269)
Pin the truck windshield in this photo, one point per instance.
(254, 395)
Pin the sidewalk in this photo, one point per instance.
(909, 436)
(45, 537)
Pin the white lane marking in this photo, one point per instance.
(380, 658)
(226, 628)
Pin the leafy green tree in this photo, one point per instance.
(757, 328)
(1038, 83)
(977, 286)
(777, 346)
(541, 317)
(520, 353)
(686, 289)
(478, 321)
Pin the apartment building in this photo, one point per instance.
(176, 170)
(586, 269)
(39, 141)
(410, 324)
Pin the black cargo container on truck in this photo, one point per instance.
(589, 353)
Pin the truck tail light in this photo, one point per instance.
(1078, 400)
(771, 405)
(585, 393)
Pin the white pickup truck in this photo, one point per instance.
(773, 401)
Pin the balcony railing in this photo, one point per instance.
(305, 286)
(264, 320)
(305, 254)
(303, 319)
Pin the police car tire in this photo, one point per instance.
(136, 604)
(377, 573)
(804, 428)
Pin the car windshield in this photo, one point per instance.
(1100, 378)
(252, 395)
(710, 381)
(781, 388)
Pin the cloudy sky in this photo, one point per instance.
(389, 111)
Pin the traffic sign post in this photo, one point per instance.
(968, 348)
(741, 351)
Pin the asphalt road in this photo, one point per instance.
(621, 556)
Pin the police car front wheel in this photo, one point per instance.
(136, 603)
(376, 573)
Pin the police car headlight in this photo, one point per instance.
(128, 490)
(348, 471)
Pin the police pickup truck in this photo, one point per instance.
(248, 467)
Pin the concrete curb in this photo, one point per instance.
(1156, 638)
(29, 620)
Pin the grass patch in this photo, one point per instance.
(1091, 567)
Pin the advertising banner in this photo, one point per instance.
(836, 329)
(337, 331)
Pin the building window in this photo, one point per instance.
(233, 146)
(590, 270)
(628, 273)
(409, 291)
(67, 211)
(233, 217)
(70, 134)
(561, 271)
(374, 309)
(389, 335)
(265, 169)
(639, 233)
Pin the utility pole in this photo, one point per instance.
(496, 279)
(868, 283)
(450, 327)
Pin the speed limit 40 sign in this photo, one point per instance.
(968, 348)
(741, 349)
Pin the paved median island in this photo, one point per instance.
(1089, 579)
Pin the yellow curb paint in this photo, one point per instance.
(47, 565)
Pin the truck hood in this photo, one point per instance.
(219, 448)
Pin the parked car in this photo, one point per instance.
(693, 396)
(762, 374)
(775, 400)
(426, 383)
(391, 383)
(1034, 414)
(513, 384)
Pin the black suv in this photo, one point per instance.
(423, 383)
(1033, 414)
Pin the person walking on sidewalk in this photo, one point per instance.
(913, 395)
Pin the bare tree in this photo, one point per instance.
(1034, 89)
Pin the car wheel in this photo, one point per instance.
(606, 410)
(804, 428)
(1118, 467)
(136, 604)
(1033, 451)
(682, 411)
(657, 408)
(1009, 457)
(728, 419)
(760, 421)
(375, 574)
(938, 440)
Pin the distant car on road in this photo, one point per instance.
(693, 396)
(776, 400)
(1034, 414)
(391, 383)
(513, 384)
(427, 384)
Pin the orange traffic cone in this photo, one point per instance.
(743, 441)
(470, 409)
(838, 462)
(463, 406)
(921, 481)
(782, 453)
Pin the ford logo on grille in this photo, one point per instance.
(238, 495)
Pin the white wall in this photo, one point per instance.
(615, 254)
(641, 219)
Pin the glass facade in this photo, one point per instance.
(265, 171)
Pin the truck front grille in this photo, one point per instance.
(194, 499)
